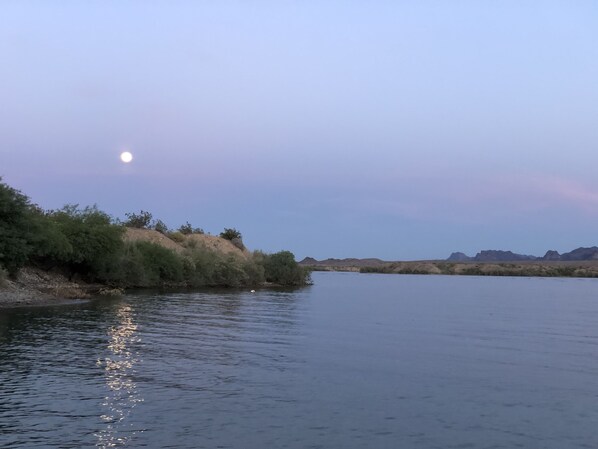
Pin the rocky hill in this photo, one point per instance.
(578, 254)
(581, 254)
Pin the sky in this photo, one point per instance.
(394, 129)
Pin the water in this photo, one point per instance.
(355, 361)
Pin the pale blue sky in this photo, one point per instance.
(397, 129)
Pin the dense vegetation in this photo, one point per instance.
(87, 244)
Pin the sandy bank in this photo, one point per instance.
(209, 242)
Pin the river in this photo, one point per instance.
(354, 361)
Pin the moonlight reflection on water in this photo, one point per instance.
(119, 369)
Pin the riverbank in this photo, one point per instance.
(581, 269)
(35, 287)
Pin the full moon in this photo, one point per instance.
(126, 157)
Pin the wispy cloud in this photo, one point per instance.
(480, 200)
(561, 191)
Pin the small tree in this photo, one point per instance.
(15, 229)
(161, 227)
(230, 234)
(234, 236)
(186, 229)
(141, 220)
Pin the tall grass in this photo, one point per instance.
(146, 264)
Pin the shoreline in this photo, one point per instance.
(34, 287)
(564, 269)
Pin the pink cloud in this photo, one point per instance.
(480, 200)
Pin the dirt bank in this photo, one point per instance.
(210, 242)
(37, 287)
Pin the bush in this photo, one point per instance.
(161, 227)
(234, 236)
(255, 272)
(141, 220)
(50, 245)
(230, 234)
(16, 229)
(201, 267)
(177, 237)
(95, 243)
(186, 229)
(214, 269)
(229, 272)
(146, 264)
(281, 268)
(161, 265)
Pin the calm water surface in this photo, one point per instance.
(354, 361)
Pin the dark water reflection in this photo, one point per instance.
(353, 361)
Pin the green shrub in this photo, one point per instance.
(95, 243)
(281, 268)
(15, 229)
(141, 220)
(160, 226)
(146, 264)
(50, 244)
(161, 264)
(186, 229)
(255, 272)
(228, 272)
(214, 269)
(177, 237)
(203, 263)
(230, 234)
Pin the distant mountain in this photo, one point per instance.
(552, 255)
(491, 255)
(459, 257)
(372, 262)
(578, 254)
(581, 254)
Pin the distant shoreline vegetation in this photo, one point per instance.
(488, 269)
(87, 244)
(581, 269)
